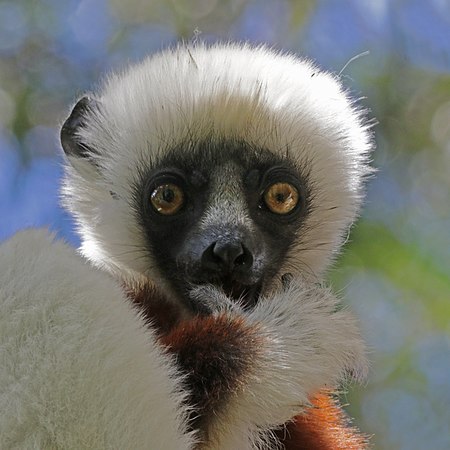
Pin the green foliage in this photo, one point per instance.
(376, 248)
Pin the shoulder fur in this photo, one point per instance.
(78, 367)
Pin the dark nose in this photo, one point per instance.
(227, 256)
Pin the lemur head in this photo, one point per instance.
(228, 165)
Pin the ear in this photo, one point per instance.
(70, 131)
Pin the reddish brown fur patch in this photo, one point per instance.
(158, 311)
(216, 353)
(324, 427)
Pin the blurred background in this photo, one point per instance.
(395, 271)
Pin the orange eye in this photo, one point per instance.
(281, 198)
(167, 199)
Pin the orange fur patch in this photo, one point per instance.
(324, 427)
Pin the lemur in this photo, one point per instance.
(212, 187)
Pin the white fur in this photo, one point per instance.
(308, 343)
(78, 367)
(268, 99)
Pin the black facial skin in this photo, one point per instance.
(229, 256)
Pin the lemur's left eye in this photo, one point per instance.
(167, 199)
(281, 198)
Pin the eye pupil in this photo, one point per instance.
(168, 195)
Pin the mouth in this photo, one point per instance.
(204, 295)
(246, 295)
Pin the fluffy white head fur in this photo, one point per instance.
(268, 99)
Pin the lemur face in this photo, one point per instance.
(221, 213)
(225, 165)
(212, 212)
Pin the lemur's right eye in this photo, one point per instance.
(167, 199)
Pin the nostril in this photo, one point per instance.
(210, 260)
(241, 259)
(244, 259)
